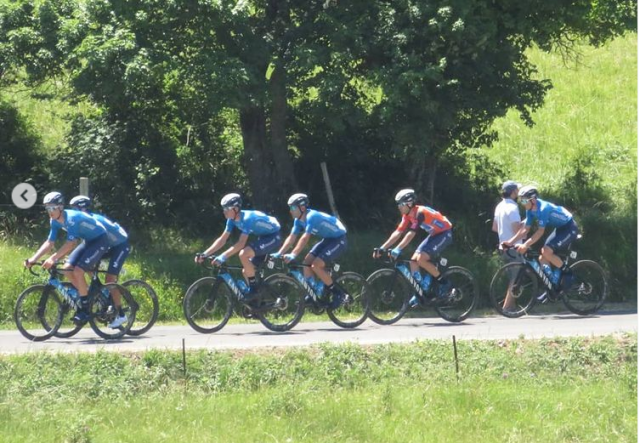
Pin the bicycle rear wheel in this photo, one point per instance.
(356, 307)
(588, 290)
(388, 296)
(148, 307)
(519, 281)
(103, 311)
(38, 305)
(464, 295)
(283, 297)
(207, 305)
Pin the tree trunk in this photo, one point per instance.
(254, 138)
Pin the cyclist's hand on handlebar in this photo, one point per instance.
(49, 263)
(395, 253)
(199, 258)
(288, 258)
(276, 256)
(522, 248)
(27, 264)
(378, 252)
(218, 260)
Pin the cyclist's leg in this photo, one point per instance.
(559, 240)
(256, 252)
(430, 249)
(118, 255)
(86, 262)
(328, 250)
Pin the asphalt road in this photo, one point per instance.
(248, 336)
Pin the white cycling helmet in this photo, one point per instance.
(80, 202)
(53, 198)
(528, 192)
(298, 200)
(406, 196)
(231, 201)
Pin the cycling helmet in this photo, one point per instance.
(406, 196)
(528, 192)
(80, 202)
(53, 198)
(231, 201)
(298, 200)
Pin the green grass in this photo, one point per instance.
(591, 112)
(561, 390)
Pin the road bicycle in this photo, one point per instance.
(42, 309)
(392, 288)
(583, 293)
(354, 309)
(210, 301)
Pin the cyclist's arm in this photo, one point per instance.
(407, 239)
(535, 237)
(288, 243)
(524, 230)
(242, 241)
(393, 238)
(64, 250)
(44, 248)
(301, 244)
(218, 243)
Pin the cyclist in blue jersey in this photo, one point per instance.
(257, 223)
(547, 215)
(79, 226)
(118, 252)
(310, 222)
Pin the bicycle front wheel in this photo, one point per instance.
(104, 312)
(148, 307)
(589, 288)
(388, 296)
(208, 305)
(282, 303)
(355, 309)
(513, 290)
(37, 306)
(67, 327)
(464, 295)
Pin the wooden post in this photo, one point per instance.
(84, 186)
(327, 184)
(455, 355)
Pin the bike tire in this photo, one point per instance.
(103, 312)
(388, 296)
(523, 284)
(589, 289)
(147, 306)
(287, 294)
(356, 309)
(465, 295)
(208, 305)
(35, 306)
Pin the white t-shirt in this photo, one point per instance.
(505, 215)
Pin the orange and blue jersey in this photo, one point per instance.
(426, 218)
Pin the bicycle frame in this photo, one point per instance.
(402, 267)
(293, 269)
(532, 260)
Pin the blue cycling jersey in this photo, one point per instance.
(117, 235)
(319, 224)
(548, 214)
(254, 222)
(78, 225)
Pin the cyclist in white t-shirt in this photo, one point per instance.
(507, 222)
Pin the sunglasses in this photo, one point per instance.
(293, 207)
(50, 208)
(524, 201)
